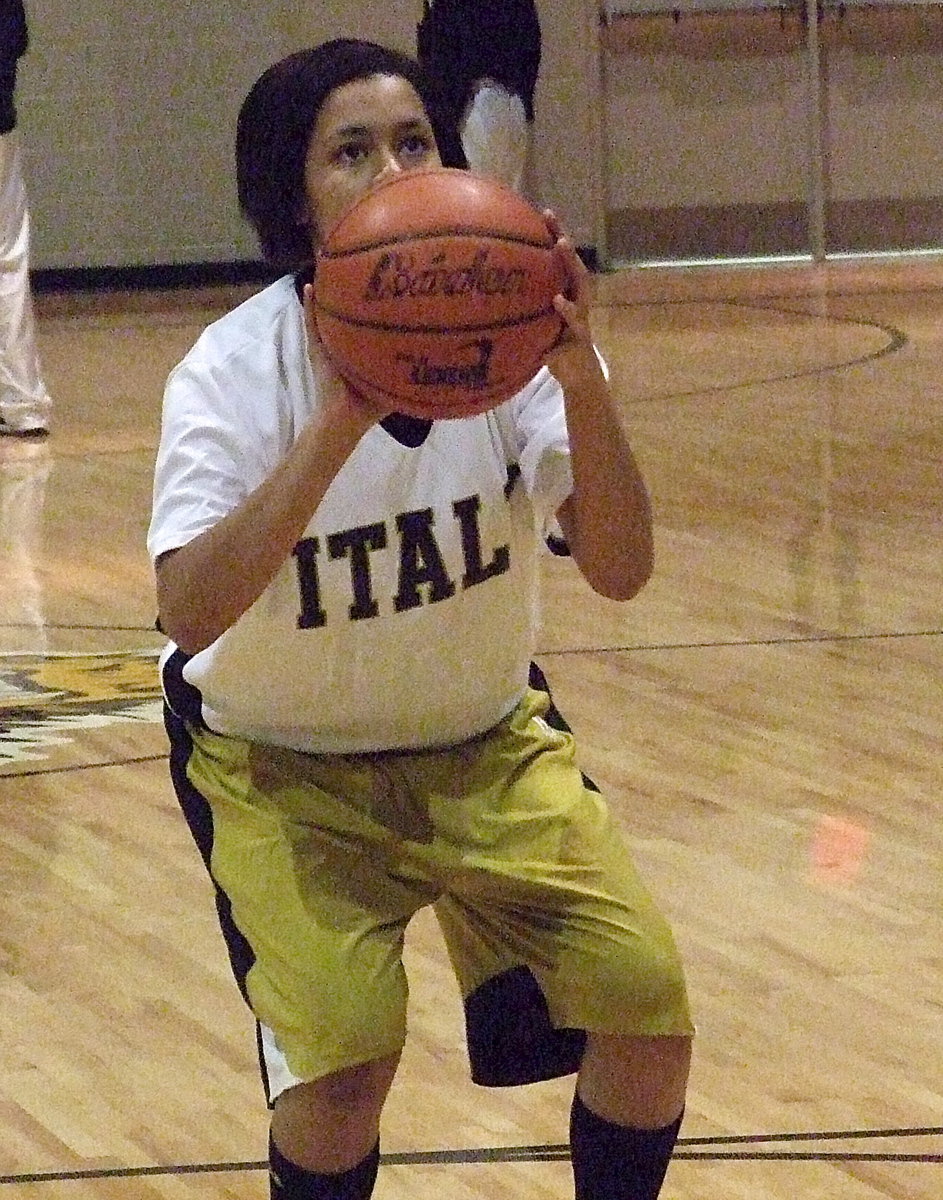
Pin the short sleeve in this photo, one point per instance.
(207, 462)
(533, 427)
(231, 410)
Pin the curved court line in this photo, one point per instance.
(897, 339)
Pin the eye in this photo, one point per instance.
(417, 146)
(350, 153)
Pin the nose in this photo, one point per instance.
(388, 166)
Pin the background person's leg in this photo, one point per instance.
(496, 135)
(24, 401)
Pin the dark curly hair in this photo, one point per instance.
(274, 129)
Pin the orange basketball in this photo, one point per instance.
(434, 293)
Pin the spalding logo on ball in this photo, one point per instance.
(434, 293)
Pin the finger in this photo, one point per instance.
(553, 223)
(576, 287)
(570, 312)
(575, 319)
(307, 303)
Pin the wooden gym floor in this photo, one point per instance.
(765, 719)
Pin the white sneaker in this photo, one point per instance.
(23, 424)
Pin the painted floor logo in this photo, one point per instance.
(44, 698)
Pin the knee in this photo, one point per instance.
(353, 1089)
(636, 1081)
(331, 1123)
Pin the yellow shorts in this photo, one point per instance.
(320, 861)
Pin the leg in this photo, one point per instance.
(24, 402)
(602, 955)
(314, 922)
(495, 134)
(331, 1125)
(635, 1081)
(626, 1115)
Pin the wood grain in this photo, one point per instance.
(765, 719)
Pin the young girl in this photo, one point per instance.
(351, 598)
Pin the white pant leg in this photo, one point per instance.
(495, 134)
(24, 400)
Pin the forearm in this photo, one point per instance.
(607, 518)
(205, 586)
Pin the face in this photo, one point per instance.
(366, 132)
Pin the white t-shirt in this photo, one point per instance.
(406, 615)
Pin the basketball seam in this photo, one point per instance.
(452, 231)
(358, 381)
(388, 327)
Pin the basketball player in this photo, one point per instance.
(24, 401)
(350, 595)
(484, 58)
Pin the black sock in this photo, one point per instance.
(612, 1162)
(288, 1181)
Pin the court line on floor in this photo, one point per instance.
(548, 1153)
(801, 639)
(46, 628)
(117, 762)
(897, 340)
(813, 639)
